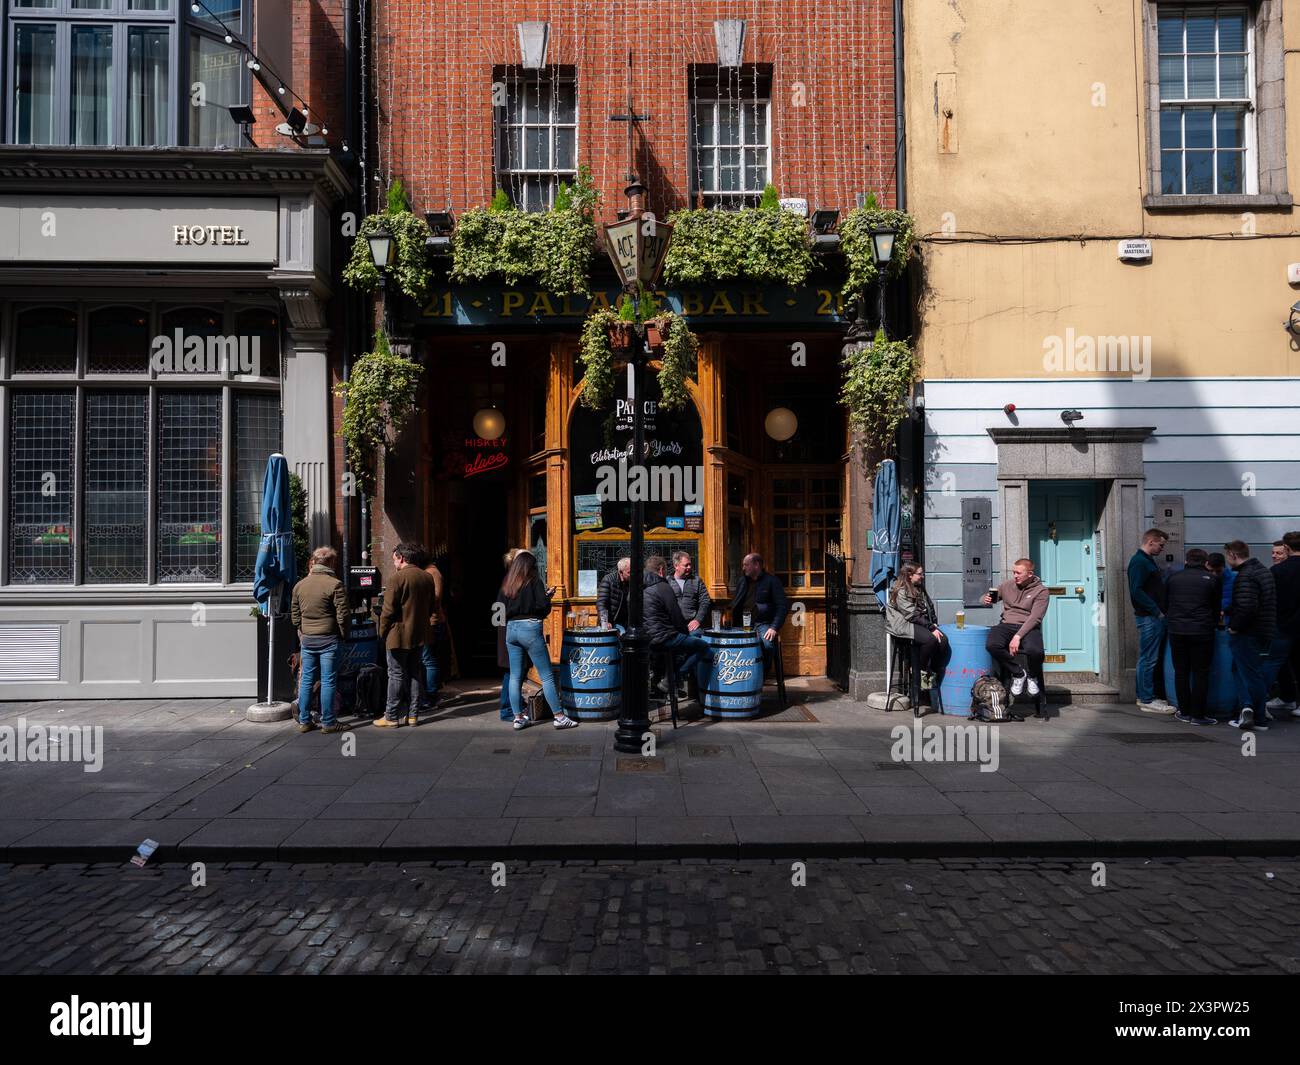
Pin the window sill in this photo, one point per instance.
(1153, 202)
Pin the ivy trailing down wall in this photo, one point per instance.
(410, 272)
(552, 249)
(762, 245)
(855, 242)
(379, 399)
(877, 381)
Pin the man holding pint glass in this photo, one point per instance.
(1024, 602)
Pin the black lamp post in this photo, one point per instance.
(383, 250)
(637, 247)
(882, 250)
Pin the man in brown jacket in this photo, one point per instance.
(1024, 602)
(404, 628)
(319, 610)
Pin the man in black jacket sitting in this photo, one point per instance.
(1191, 617)
(667, 629)
(760, 595)
(611, 596)
(1253, 620)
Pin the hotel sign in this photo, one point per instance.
(469, 305)
(167, 230)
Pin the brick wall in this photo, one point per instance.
(832, 91)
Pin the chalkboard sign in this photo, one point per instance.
(603, 555)
(976, 549)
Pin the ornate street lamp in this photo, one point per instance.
(637, 245)
(383, 250)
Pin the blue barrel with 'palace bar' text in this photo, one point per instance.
(735, 686)
(591, 676)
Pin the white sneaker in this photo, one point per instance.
(1280, 704)
(1248, 722)
(1156, 707)
(1018, 684)
(1163, 702)
(1033, 686)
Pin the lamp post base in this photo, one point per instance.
(634, 722)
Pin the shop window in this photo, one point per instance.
(119, 340)
(805, 518)
(256, 437)
(189, 486)
(261, 324)
(731, 135)
(35, 53)
(92, 76)
(116, 487)
(219, 69)
(45, 340)
(183, 323)
(536, 115)
(40, 470)
(537, 537)
(820, 436)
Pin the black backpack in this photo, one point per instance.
(371, 693)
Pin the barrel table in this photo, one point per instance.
(735, 687)
(967, 662)
(1222, 699)
(591, 677)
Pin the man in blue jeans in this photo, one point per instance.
(1146, 591)
(319, 609)
(668, 630)
(1250, 632)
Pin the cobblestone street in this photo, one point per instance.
(1165, 915)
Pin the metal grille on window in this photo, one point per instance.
(45, 340)
(189, 486)
(537, 130)
(116, 485)
(40, 487)
(257, 438)
(119, 340)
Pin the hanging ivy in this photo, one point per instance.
(758, 245)
(553, 249)
(379, 399)
(596, 356)
(410, 271)
(855, 243)
(877, 381)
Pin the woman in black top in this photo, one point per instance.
(525, 605)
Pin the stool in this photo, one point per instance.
(780, 672)
(670, 677)
(905, 665)
(1035, 669)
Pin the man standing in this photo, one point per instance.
(1253, 620)
(611, 596)
(760, 595)
(1191, 616)
(668, 630)
(1146, 591)
(1024, 602)
(404, 628)
(1283, 663)
(1280, 551)
(692, 597)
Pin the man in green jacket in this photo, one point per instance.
(319, 609)
(404, 628)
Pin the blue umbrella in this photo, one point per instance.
(274, 571)
(884, 531)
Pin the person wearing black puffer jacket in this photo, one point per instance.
(1191, 617)
(667, 629)
(1253, 622)
(1283, 663)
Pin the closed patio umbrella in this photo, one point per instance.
(885, 514)
(274, 573)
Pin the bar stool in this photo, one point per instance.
(670, 677)
(780, 672)
(904, 665)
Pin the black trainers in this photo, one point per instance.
(1185, 719)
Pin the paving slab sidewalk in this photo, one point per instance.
(826, 777)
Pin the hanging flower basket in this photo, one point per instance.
(656, 331)
(620, 335)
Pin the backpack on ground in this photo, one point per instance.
(371, 692)
(990, 700)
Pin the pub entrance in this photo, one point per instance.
(478, 539)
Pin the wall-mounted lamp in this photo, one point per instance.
(441, 225)
(382, 248)
(1071, 416)
(882, 246)
(489, 424)
(1292, 325)
(822, 222)
(780, 424)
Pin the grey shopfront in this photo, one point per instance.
(165, 325)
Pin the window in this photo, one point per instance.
(805, 518)
(128, 475)
(536, 134)
(108, 72)
(730, 135)
(1205, 100)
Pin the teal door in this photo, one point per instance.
(1061, 542)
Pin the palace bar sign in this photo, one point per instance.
(471, 305)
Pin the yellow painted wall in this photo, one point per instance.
(1047, 138)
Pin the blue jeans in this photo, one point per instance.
(506, 712)
(429, 656)
(1278, 654)
(1151, 638)
(690, 653)
(1248, 670)
(324, 661)
(524, 641)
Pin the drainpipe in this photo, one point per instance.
(350, 302)
(900, 116)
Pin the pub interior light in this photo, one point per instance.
(781, 423)
(489, 424)
(382, 247)
(882, 246)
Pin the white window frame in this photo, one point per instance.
(1182, 105)
(511, 178)
(712, 196)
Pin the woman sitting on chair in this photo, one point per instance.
(910, 615)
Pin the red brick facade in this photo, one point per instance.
(832, 91)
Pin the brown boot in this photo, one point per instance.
(383, 722)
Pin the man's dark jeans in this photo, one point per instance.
(1248, 653)
(405, 682)
(1193, 656)
(998, 646)
(690, 653)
